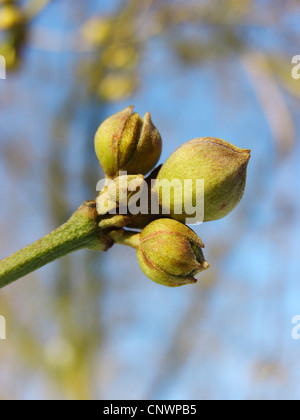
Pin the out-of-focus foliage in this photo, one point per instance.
(13, 28)
(89, 325)
(196, 31)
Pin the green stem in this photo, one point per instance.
(125, 237)
(80, 231)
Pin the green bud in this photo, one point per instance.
(143, 218)
(125, 142)
(117, 192)
(170, 253)
(220, 164)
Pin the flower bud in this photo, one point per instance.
(125, 142)
(221, 165)
(170, 253)
(117, 192)
(146, 214)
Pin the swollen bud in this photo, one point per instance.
(117, 193)
(170, 253)
(125, 142)
(221, 165)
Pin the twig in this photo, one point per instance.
(80, 231)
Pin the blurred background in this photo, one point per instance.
(91, 325)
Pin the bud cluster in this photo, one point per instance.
(210, 173)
